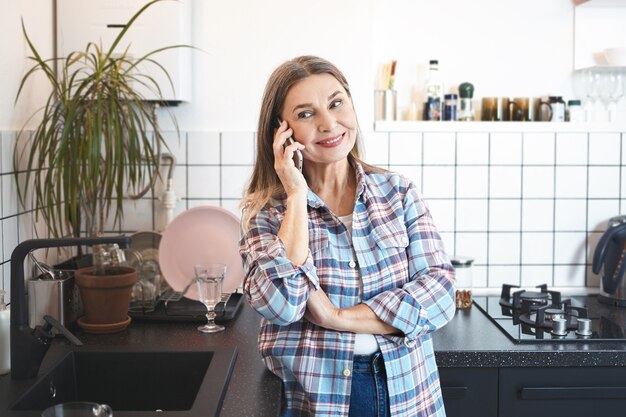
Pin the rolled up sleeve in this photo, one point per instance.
(274, 286)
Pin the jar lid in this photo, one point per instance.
(573, 102)
(462, 261)
(450, 96)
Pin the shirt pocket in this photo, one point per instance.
(390, 251)
(318, 242)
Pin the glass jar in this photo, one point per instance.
(558, 108)
(575, 112)
(449, 107)
(463, 268)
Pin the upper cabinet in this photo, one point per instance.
(163, 24)
(598, 24)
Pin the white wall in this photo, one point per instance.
(37, 16)
(504, 47)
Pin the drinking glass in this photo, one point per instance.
(209, 280)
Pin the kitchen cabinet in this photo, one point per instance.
(572, 392)
(470, 391)
(537, 392)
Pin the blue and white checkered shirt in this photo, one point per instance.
(407, 281)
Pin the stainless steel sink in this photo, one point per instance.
(136, 382)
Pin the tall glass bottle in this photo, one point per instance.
(434, 92)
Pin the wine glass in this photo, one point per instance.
(209, 280)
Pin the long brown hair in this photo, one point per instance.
(264, 183)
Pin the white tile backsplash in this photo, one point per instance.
(204, 182)
(571, 148)
(538, 148)
(438, 182)
(571, 181)
(405, 148)
(377, 148)
(203, 148)
(506, 148)
(604, 182)
(237, 148)
(505, 215)
(570, 215)
(439, 148)
(537, 248)
(472, 182)
(529, 207)
(504, 248)
(234, 181)
(505, 181)
(537, 215)
(604, 149)
(472, 148)
(537, 182)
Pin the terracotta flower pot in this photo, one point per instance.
(106, 298)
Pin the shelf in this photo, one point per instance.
(600, 3)
(543, 127)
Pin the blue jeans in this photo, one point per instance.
(369, 396)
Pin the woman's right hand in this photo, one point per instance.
(290, 176)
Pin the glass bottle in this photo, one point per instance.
(434, 92)
(558, 108)
(449, 107)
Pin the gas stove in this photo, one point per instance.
(541, 315)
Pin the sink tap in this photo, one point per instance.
(28, 346)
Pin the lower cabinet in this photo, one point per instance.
(571, 392)
(536, 392)
(469, 392)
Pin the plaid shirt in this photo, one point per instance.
(407, 281)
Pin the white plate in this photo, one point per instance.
(204, 234)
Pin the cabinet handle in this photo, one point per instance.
(454, 393)
(553, 393)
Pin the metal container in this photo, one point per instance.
(58, 298)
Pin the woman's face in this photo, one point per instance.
(322, 117)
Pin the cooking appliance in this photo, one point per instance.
(608, 262)
(542, 315)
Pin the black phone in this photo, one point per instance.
(297, 159)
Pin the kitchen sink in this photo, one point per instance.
(136, 382)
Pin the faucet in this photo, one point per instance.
(28, 346)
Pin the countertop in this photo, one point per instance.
(470, 340)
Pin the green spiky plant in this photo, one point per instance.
(97, 137)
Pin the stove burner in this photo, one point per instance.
(534, 299)
(554, 313)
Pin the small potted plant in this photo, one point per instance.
(97, 139)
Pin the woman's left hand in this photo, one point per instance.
(321, 311)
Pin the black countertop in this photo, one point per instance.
(470, 340)
(253, 390)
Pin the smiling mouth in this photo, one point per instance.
(331, 141)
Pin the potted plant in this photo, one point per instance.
(97, 139)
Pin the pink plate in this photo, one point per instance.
(204, 234)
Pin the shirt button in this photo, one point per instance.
(352, 264)
(346, 372)
(409, 343)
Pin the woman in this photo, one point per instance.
(342, 260)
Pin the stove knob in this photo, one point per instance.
(559, 327)
(584, 327)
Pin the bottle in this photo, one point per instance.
(575, 111)
(449, 107)
(434, 93)
(558, 108)
(5, 333)
(466, 112)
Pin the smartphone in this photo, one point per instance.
(297, 158)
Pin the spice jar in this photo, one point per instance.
(463, 268)
(449, 107)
